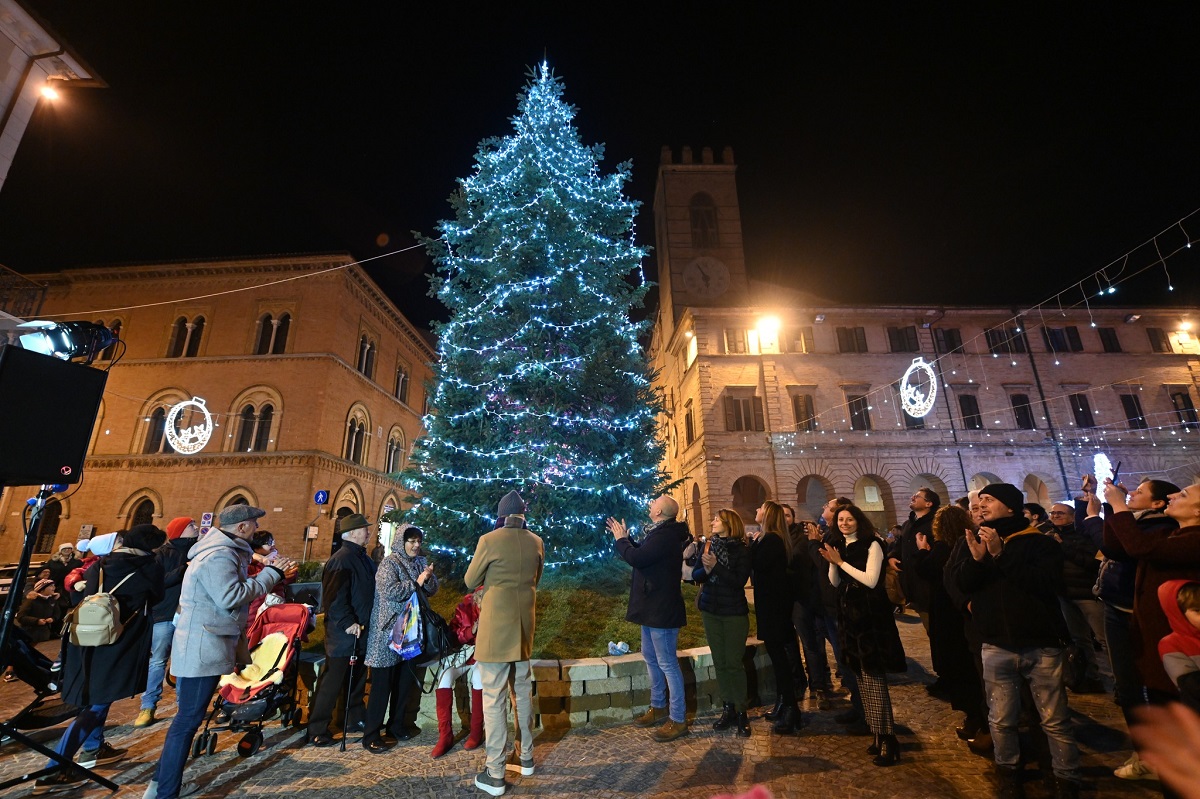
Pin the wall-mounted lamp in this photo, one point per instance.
(818, 319)
(1131, 318)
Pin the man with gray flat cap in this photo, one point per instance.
(508, 563)
(209, 640)
(347, 596)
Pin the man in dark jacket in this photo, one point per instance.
(347, 594)
(172, 556)
(1081, 609)
(922, 506)
(656, 603)
(1012, 582)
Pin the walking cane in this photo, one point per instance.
(349, 691)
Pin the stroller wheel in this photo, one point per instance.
(250, 743)
(212, 743)
(199, 743)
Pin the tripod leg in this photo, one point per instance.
(63, 761)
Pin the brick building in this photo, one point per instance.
(313, 379)
(777, 394)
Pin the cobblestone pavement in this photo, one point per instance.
(623, 761)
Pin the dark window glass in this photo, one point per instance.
(179, 333)
(689, 424)
(265, 330)
(1062, 339)
(852, 339)
(1023, 412)
(702, 214)
(802, 406)
(947, 339)
(1133, 411)
(860, 411)
(968, 404)
(1158, 339)
(194, 334)
(1082, 410)
(157, 433)
(281, 333)
(903, 339)
(245, 429)
(1184, 409)
(1108, 339)
(402, 383)
(262, 436)
(799, 339)
(1004, 340)
(744, 413)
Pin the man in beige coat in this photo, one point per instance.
(508, 561)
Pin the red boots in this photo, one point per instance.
(445, 707)
(475, 739)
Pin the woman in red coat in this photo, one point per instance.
(464, 625)
(1162, 555)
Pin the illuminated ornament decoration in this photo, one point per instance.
(1102, 469)
(918, 389)
(188, 440)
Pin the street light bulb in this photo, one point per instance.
(1185, 325)
(768, 324)
(49, 92)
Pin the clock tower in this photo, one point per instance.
(698, 230)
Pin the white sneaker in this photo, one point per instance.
(523, 766)
(1135, 769)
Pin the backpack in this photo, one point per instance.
(96, 620)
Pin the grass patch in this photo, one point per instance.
(577, 614)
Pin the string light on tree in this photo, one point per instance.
(541, 384)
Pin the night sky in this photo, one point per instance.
(914, 154)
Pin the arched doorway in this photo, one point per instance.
(47, 529)
(1037, 491)
(748, 494)
(926, 480)
(873, 496)
(981, 479)
(342, 512)
(812, 492)
(143, 513)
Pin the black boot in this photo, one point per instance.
(743, 725)
(773, 713)
(873, 747)
(1065, 789)
(889, 751)
(727, 717)
(1009, 779)
(788, 720)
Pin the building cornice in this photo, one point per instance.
(225, 460)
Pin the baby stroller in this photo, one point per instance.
(266, 688)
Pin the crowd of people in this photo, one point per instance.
(1021, 607)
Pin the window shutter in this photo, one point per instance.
(730, 414)
(1073, 339)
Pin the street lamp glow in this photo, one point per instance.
(768, 325)
(49, 92)
(1185, 326)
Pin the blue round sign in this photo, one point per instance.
(321, 497)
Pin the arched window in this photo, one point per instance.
(266, 329)
(156, 435)
(357, 425)
(402, 383)
(272, 334)
(702, 212)
(195, 331)
(281, 333)
(395, 452)
(185, 337)
(143, 513)
(246, 420)
(367, 350)
(263, 436)
(179, 332)
(237, 500)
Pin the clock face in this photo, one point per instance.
(706, 277)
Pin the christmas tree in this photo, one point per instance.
(541, 385)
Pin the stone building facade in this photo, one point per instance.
(777, 394)
(313, 379)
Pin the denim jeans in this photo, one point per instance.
(1127, 689)
(805, 622)
(160, 650)
(86, 731)
(192, 694)
(662, 662)
(1042, 668)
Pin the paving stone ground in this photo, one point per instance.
(622, 761)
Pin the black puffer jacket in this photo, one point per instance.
(172, 556)
(723, 592)
(97, 675)
(1014, 597)
(1080, 565)
(348, 594)
(655, 596)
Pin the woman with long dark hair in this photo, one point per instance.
(773, 600)
(723, 567)
(870, 642)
